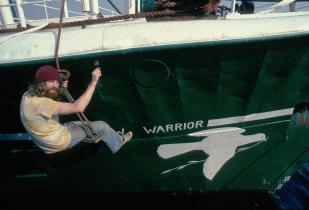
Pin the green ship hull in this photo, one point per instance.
(163, 94)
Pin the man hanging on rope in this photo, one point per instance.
(40, 107)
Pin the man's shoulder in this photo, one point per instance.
(25, 96)
(37, 99)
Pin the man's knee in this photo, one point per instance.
(100, 125)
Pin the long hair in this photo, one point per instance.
(40, 90)
(37, 89)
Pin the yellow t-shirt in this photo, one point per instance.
(39, 117)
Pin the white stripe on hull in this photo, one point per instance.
(250, 117)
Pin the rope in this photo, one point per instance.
(98, 20)
(64, 75)
(59, 34)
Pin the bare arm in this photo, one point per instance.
(82, 102)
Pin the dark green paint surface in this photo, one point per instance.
(145, 89)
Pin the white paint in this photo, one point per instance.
(250, 117)
(174, 127)
(133, 35)
(233, 3)
(217, 131)
(287, 178)
(133, 5)
(234, 16)
(219, 146)
(270, 123)
(65, 9)
(279, 5)
(95, 7)
(183, 166)
(6, 38)
(86, 6)
(5, 12)
(21, 14)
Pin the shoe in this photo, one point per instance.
(127, 137)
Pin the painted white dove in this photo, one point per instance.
(220, 145)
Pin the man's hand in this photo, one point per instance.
(82, 102)
(96, 74)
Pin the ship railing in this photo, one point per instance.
(269, 6)
(21, 12)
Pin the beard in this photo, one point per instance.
(53, 93)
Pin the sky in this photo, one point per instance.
(35, 11)
(73, 5)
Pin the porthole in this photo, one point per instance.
(151, 73)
